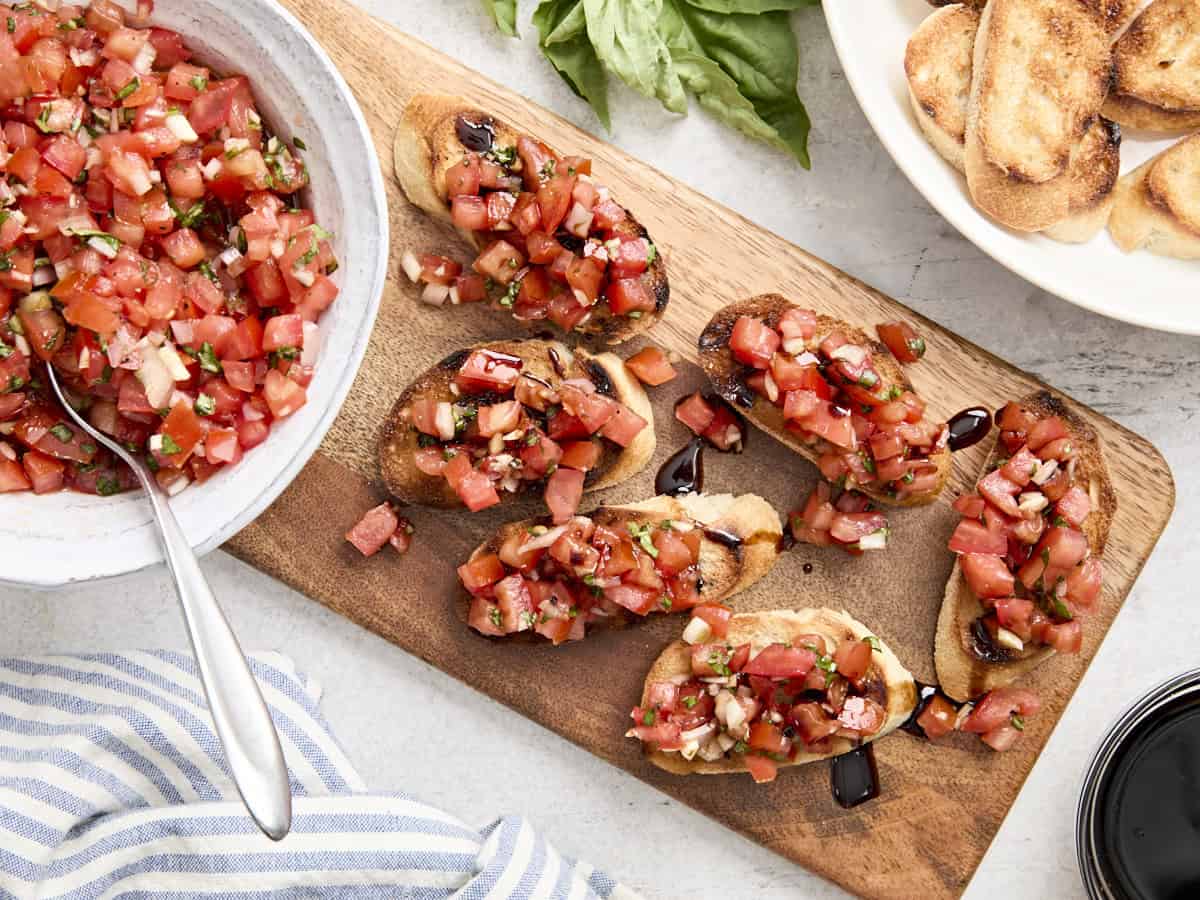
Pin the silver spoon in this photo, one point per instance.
(243, 724)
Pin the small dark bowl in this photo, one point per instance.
(1137, 830)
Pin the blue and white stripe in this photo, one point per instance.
(112, 784)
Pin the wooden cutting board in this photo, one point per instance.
(940, 805)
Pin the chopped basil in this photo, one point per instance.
(106, 374)
(106, 487)
(15, 383)
(192, 216)
(665, 603)
(286, 352)
(426, 440)
(12, 25)
(151, 462)
(636, 314)
(868, 463)
(1061, 610)
(908, 477)
(208, 359)
(648, 717)
(510, 295)
(1060, 522)
(88, 448)
(916, 346)
(494, 615)
(691, 701)
(642, 534)
(241, 241)
(128, 90)
(873, 642)
(829, 667)
(43, 119)
(169, 447)
(6, 265)
(199, 83)
(308, 256)
(1017, 722)
(1045, 556)
(504, 156)
(88, 234)
(205, 405)
(299, 144)
(651, 253)
(547, 171)
(5, 350)
(70, 24)
(62, 432)
(718, 661)
(739, 747)
(868, 379)
(206, 270)
(894, 392)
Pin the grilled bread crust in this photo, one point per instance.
(1157, 207)
(1156, 77)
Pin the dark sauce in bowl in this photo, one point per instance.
(1150, 808)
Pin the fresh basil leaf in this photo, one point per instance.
(504, 12)
(562, 26)
(625, 36)
(758, 53)
(750, 7)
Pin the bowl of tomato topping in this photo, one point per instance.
(193, 232)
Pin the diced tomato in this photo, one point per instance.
(564, 490)
(849, 528)
(1045, 431)
(997, 708)
(986, 575)
(481, 572)
(717, 617)
(581, 455)
(374, 529)
(1000, 492)
(753, 343)
(623, 426)
(500, 261)
(485, 371)
(781, 661)
(283, 395)
(938, 717)
(12, 477)
(626, 295)
(903, 342)
(853, 659)
(1074, 506)
(696, 413)
(1084, 584)
(971, 536)
(1064, 637)
(45, 473)
(473, 487)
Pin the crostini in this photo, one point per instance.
(555, 246)
(1030, 546)
(831, 393)
(1157, 208)
(1025, 115)
(1155, 83)
(617, 564)
(770, 689)
(938, 63)
(498, 419)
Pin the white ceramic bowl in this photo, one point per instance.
(61, 538)
(1140, 288)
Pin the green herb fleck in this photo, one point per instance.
(494, 615)
(643, 534)
(205, 405)
(169, 447)
(873, 642)
(199, 83)
(208, 359)
(690, 701)
(1017, 722)
(299, 144)
(649, 717)
(106, 486)
(62, 432)
(129, 89)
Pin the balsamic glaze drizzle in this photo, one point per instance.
(683, 473)
(968, 428)
(854, 777)
(475, 136)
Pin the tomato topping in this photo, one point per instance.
(753, 343)
(938, 717)
(564, 490)
(986, 575)
(903, 342)
(696, 413)
(374, 529)
(717, 617)
(781, 661)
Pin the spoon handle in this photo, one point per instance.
(242, 721)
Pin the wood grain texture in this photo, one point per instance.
(941, 805)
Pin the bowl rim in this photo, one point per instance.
(373, 287)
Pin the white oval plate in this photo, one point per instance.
(58, 539)
(1140, 288)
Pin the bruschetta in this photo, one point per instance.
(498, 419)
(770, 689)
(1157, 207)
(831, 393)
(618, 564)
(1030, 546)
(554, 246)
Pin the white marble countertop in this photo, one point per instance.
(398, 717)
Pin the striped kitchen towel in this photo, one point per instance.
(113, 784)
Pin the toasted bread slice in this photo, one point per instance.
(548, 361)
(739, 543)
(888, 682)
(1115, 13)
(1157, 207)
(1156, 78)
(938, 63)
(427, 146)
(726, 375)
(966, 667)
(1095, 169)
(1041, 72)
